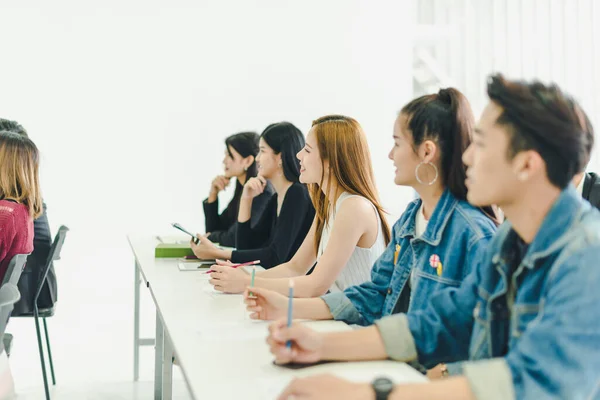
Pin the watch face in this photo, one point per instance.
(384, 385)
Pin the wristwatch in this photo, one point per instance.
(382, 387)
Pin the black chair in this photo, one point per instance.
(54, 255)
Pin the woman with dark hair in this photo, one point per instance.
(288, 215)
(239, 162)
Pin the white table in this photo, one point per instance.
(221, 352)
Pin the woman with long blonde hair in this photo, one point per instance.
(20, 198)
(349, 231)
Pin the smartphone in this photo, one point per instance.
(294, 365)
(182, 229)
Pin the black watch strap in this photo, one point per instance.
(382, 387)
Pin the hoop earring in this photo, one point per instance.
(417, 173)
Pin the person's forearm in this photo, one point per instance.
(212, 196)
(357, 345)
(448, 389)
(284, 270)
(315, 309)
(245, 210)
(222, 254)
(304, 286)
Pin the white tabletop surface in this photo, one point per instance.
(222, 353)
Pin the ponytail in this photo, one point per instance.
(457, 138)
(447, 119)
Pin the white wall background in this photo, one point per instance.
(552, 40)
(129, 103)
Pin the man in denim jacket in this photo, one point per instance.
(527, 320)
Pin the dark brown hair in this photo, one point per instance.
(245, 143)
(285, 139)
(546, 120)
(12, 126)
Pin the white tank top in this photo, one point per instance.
(358, 268)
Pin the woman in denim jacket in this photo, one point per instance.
(436, 240)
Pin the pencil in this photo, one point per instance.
(239, 265)
(252, 280)
(290, 303)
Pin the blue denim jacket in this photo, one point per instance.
(456, 233)
(548, 344)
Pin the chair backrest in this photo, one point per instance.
(53, 255)
(15, 269)
(9, 295)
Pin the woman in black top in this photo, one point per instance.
(288, 215)
(240, 163)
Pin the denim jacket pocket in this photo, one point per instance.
(424, 285)
(522, 317)
(420, 274)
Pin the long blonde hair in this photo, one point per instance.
(19, 177)
(343, 143)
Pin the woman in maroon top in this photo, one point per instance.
(20, 199)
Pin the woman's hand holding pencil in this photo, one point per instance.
(306, 344)
(265, 304)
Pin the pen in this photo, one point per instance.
(240, 265)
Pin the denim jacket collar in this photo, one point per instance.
(560, 217)
(437, 222)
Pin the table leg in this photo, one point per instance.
(136, 323)
(167, 368)
(158, 359)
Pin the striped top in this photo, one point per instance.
(358, 268)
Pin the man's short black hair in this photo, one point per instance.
(545, 119)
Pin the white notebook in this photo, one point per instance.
(195, 265)
(204, 265)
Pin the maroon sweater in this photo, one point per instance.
(16, 233)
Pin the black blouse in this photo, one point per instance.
(222, 227)
(275, 239)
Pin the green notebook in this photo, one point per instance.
(172, 250)
(176, 247)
